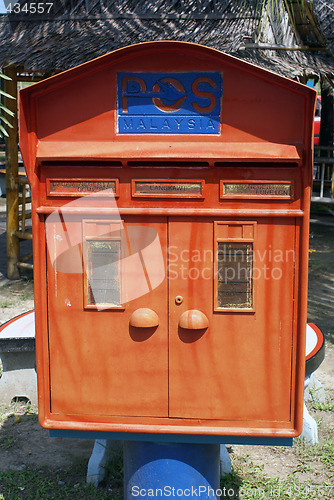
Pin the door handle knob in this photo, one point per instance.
(193, 320)
(144, 318)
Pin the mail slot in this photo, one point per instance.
(171, 191)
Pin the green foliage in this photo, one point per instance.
(249, 481)
(114, 471)
(7, 442)
(316, 405)
(45, 484)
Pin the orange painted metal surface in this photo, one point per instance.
(170, 265)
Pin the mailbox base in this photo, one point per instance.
(171, 469)
(173, 438)
(103, 447)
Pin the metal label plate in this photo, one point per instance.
(256, 189)
(168, 188)
(169, 103)
(82, 187)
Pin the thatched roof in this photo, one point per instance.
(324, 12)
(74, 32)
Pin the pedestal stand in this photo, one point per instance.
(162, 470)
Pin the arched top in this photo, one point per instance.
(165, 98)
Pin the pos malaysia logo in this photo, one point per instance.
(173, 103)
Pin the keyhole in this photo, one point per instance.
(178, 299)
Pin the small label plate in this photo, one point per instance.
(257, 189)
(82, 187)
(168, 188)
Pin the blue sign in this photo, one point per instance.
(169, 103)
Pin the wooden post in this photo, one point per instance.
(12, 187)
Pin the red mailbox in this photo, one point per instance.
(171, 190)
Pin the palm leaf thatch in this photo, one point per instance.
(74, 31)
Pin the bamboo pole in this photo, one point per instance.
(12, 187)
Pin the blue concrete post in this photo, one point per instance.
(164, 470)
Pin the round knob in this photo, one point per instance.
(193, 320)
(144, 318)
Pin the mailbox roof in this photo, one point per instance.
(73, 115)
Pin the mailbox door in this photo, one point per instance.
(99, 365)
(240, 274)
(239, 368)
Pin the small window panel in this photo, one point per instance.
(235, 284)
(102, 254)
(103, 273)
(234, 248)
